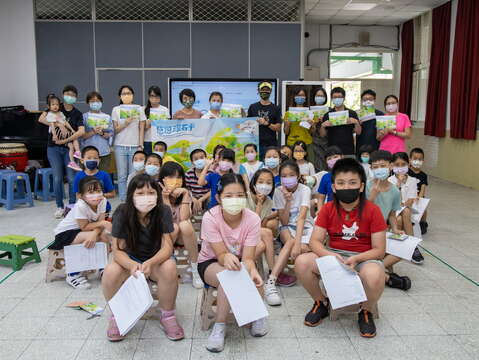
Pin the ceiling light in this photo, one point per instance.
(359, 6)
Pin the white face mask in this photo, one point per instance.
(263, 189)
(417, 163)
(392, 108)
(233, 206)
(368, 103)
(144, 203)
(94, 199)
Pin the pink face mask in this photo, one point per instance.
(250, 156)
(225, 165)
(400, 170)
(392, 108)
(331, 162)
(94, 199)
(144, 203)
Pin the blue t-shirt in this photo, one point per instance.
(213, 179)
(326, 187)
(277, 181)
(104, 178)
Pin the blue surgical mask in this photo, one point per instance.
(152, 170)
(91, 164)
(299, 100)
(215, 105)
(200, 164)
(271, 162)
(69, 99)
(96, 105)
(365, 159)
(381, 173)
(138, 165)
(319, 100)
(337, 101)
(159, 153)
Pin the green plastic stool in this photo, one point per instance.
(13, 248)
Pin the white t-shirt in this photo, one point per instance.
(210, 115)
(368, 171)
(81, 211)
(301, 197)
(408, 190)
(129, 136)
(150, 134)
(250, 170)
(306, 169)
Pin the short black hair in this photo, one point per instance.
(379, 155)
(365, 148)
(89, 183)
(400, 155)
(89, 148)
(161, 143)
(416, 150)
(255, 177)
(323, 90)
(196, 151)
(333, 150)
(218, 148)
(139, 152)
(187, 92)
(390, 96)
(250, 145)
(338, 90)
(228, 154)
(216, 93)
(93, 94)
(353, 166)
(153, 155)
(71, 88)
(230, 178)
(303, 146)
(291, 164)
(51, 97)
(369, 92)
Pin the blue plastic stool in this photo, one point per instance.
(45, 192)
(17, 190)
(2, 188)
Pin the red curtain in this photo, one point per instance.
(436, 106)
(465, 71)
(407, 53)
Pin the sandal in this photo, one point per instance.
(113, 333)
(172, 329)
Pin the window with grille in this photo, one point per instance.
(142, 10)
(275, 10)
(220, 10)
(63, 9)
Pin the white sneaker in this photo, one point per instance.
(259, 328)
(216, 340)
(59, 213)
(196, 280)
(78, 282)
(271, 293)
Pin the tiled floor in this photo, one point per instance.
(437, 319)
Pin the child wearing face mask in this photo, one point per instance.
(153, 102)
(84, 224)
(216, 100)
(380, 191)
(287, 151)
(153, 165)
(325, 190)
(200, 194)
(300, 155)
(364, 154)
(407, 185)
(98, 129)
(272, 160)
(292, 200)
(252, 164)
(417, 160)
(142, 241)
(357, 239)
(139, 159)
(230, 234)
(210, 178)
(261, 190)
(160, 148)
(178, 198)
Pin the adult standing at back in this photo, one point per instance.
(187, 99)
(320, 143)
(129, 133)
(269, 118)
(57, 151)
(394, 140)
(368, 134)
(341, 135)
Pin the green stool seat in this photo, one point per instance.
(14, 249)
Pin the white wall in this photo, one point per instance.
(18, 65)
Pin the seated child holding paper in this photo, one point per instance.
(85, 224)
(248, 168)
(387, 196)
(139, 158)
(178, 199)
(230, 234)
(357, 238)
(325, 190)
(142, 241)
(408, 187)
(261, 190)
(417, 160)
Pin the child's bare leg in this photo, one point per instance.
(166, 279)
(71, 152)
(372, 277)
(390, 260)
(113, 277)
(76, 145)
(267, 240)
(305, 248)
(284, 254)
(406, 221)
(188, 237)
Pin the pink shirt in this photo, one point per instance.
(214, 230)
(393, 143)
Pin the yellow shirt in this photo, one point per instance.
(167, 158)
(297, 132)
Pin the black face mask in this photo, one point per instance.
(347, 196)
(264, 95)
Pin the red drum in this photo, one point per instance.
(14, 154)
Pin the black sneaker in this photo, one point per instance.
(417, 257)
(424, 225)
(366, 324)
(399, 282)
(317, 313)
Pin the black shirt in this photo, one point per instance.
(342, 135)
(272, 114)
(421, 176)
(145, 247)
(368, 133)
(74, 118)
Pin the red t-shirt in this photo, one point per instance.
(351, 235)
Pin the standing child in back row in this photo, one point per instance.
(417, 160)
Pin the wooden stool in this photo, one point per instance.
(182, 264)
(334, 314)
(14, 247)
(55, 266)
(208, 308)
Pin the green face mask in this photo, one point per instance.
(188, 103)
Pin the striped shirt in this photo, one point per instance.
(192, 184)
